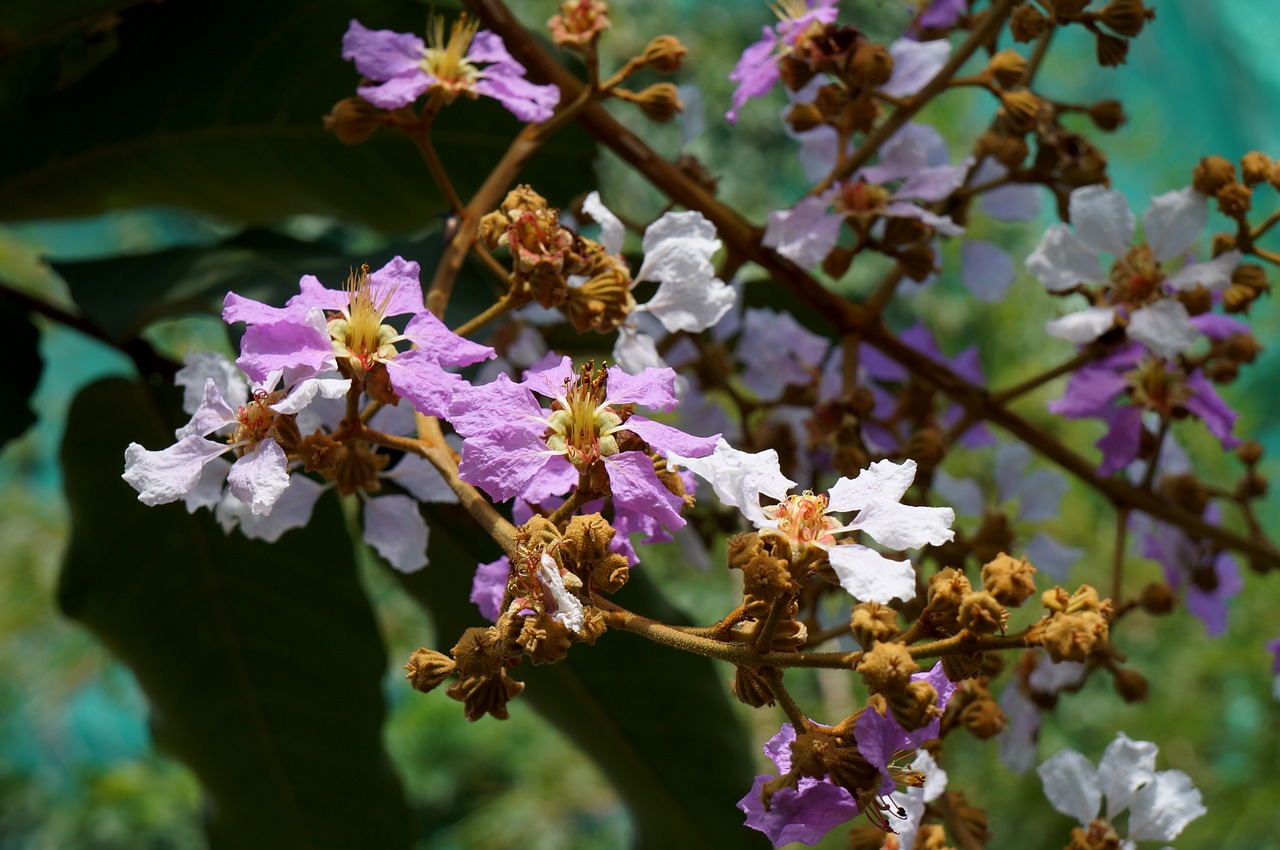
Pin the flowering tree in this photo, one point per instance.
(514, 411)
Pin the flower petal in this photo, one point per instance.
(883, 480)
(900, 526)
(915, 63)
(1071, 785)
(667, 439)
(1215, 275)
(1164, 806)
(169, 474)
(1125, 766)
(1173, 221)
(869, 576)
(394, 527)
(1062, 262)
(1164, 327)
(612, 230)
(260, 477)
(635, 487)
(1083, 327)
(986, 270)
(1102, 219)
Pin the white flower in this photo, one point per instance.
(914, 799)
(1160, 804)
(1104, 224)
(740, 479)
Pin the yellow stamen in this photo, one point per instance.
(446, 58)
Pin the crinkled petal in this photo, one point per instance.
(1102, 219)
(523, 99)
(869, 576)
(1164, 327)
(739, 478)
(1214, 275)
(1120, 444)
(381, 54)
(941, 223)
(503, 468)
(169, 474)
(394, 527)
(1083, 327)
(1126, 765)
(1173, 221)
(634, 352)
(933, 183)
(1071, 785)
(1062, 262)
(487, 46)
(653, 388)
(1209, 407)
(667, 439)
(201, 366)
(422, 480)
(986, 270)
(805, 234)
(260, 477)
(209, 489)
(297, 349)
(489, 586)
(292, 510)
(612, 230)
(1089, 393)
(635, 487)
(1021, 730)
(498, 410)
(1218, 326)
(305, 391)
(398, 91)
(963, 494)
(900, 526)
(756, 73)
(1040, 495)
(883, 480)
(211, 415)
(569, 612)
(416, 375)
(1164, 806)
(914, 64)
(805, 814)
(443, 345)
(237, 308)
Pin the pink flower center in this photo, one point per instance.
(804, 519)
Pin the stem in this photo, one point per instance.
(885, 289)
(1266, 225)
(773, 676)
(1117, 554)
(1008, 395)
(500, 308)
(966, 642)
(420, 132)
(1037, 56)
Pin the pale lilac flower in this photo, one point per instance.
(259, 475)
(1160, 804)
(757, 70)
(512, 447)
(1022, 729)
(778, 352)
(940, 14)
(1207, 579)
(465, 62)
(915, 63)
(489, 587)
(740, 478)
(356, 332)
(1137, 284)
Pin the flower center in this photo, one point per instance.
(256, 418)
(582, 426)
(1136, 278)
(445, 59)
(1157, 388)
(860, 196)
(359, 335)
(803, 518)
(357, 468)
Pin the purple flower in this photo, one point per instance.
(940, 14)
(297, 335)
(1208, 579)
(405, 68)
(512, 447)
(490, 586)
(778, 352)
(757, 70)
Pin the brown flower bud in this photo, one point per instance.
(802, 117)
(1157, 598)
(872, 623)
(1242, 348)
(1111, 50)
(1198, 299)
(1234, 199)
(1249, 452)
(961, 666)
(545, 640)
(1125, 17)
(1255, 167)
(659, 102)
(1130, 684)
(982, 614)
(1252, 486)
(1185, 491)
(481, 695)
(665, 54)
(838, 261)
(1026, 23)
(1107, 115)
(1213, 173)
(1072, 637)
(886, 668)
(428, 668)
(917, 261)
(1098, 835)
(750, 687)
(589, 554)
(872, 65)
(1008, 579)
(1021, 109)
(1248, 281)
(1007, 67)
(604, 301)
(319, 452)
(981, 715)
(915, 705)
(1009, 151)
(353, 119)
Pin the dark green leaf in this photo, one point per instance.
(657, 721)
(262, 663)
(217, 106)
(24, 353)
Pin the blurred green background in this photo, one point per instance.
(77, 768)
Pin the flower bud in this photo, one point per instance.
(1107, 115)
(917, 261)
(1111, 50)
(1125, 17)
(751, 688)
(960, 666)
(1021, 109)
(319, 452)
(1234, 199)
(660, 102)
(1248, 281)
(1026, 23)
(1255, 167)
(1007, 67)
(1130, 684)
(665, 54)
(1213, 173)
(872, 623)
(915, 705)
(1009, 580)
(802, 117)
(872, 65)
(428, 668)
(353, 119)
(980, 613)
(1157, 598)
(886, 668)
(1249, 452)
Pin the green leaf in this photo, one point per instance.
(657, 721)
(262, 663)
(24, 351)
(122, 295)
(217, 107)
